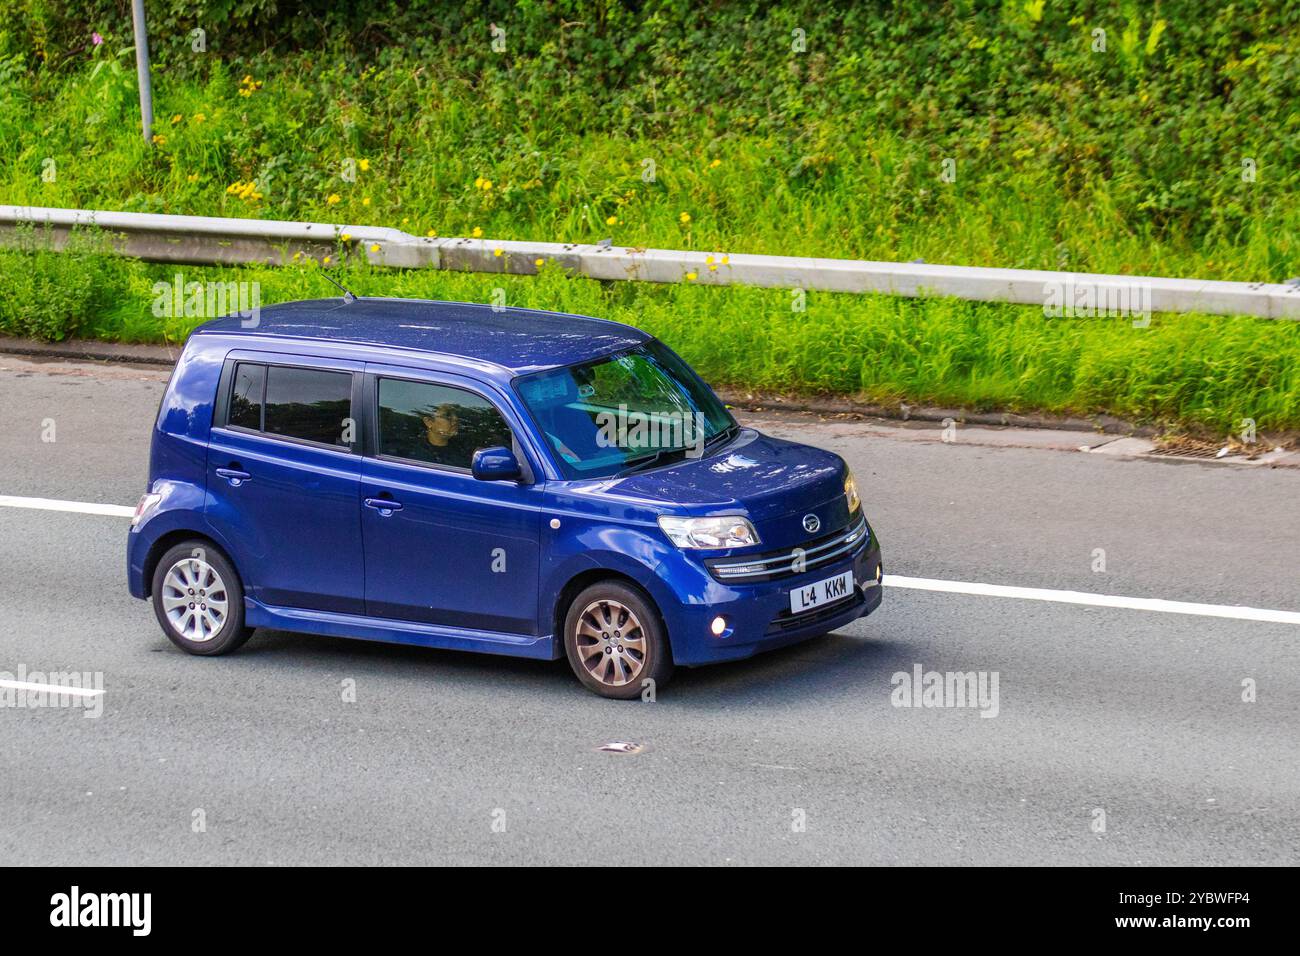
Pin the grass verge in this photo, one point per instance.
(1189, 372)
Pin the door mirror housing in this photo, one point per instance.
(497, 463)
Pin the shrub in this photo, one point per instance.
(51, 295)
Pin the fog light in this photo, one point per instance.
(719, 626)
(878, 574)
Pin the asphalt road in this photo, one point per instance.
(1135, 714)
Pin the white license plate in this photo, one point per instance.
(821, 592)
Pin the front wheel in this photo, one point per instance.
(198, 599)
(615, 643)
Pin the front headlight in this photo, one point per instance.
(851, 492)
(727, 531)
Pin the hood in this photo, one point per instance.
(767, 479)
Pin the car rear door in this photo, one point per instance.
(284, 471)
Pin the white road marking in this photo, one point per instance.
(52, 688)
(1096, 600)
(80, 507)
(1235, 612)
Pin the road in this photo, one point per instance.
(1114, 715)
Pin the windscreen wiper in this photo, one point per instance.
(722, 436)
(647, 461)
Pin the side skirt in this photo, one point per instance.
(360, 627)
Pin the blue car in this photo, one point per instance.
(501, 480)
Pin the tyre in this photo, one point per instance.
(615, 642)
(198, 599)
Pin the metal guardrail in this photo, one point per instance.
(208, 240)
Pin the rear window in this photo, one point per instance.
(303, 403)
(246, 396)
(309, 404)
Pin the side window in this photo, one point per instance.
(436, 424)
(308, 403)
(246, 396)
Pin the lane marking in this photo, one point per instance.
(51, 688)
(1232, 611)
(80, 507)
(1236, 612)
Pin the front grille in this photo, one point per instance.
(777, 565)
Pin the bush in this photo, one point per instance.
(52, 296)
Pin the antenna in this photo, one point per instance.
(347, 293)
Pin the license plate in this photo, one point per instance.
(823, 592)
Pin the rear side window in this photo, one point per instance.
(309, 404)
(246, 396)
(437, 424)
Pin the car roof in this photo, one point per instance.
(521, 340)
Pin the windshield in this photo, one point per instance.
(624, 412)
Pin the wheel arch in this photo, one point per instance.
(585, 579)
(168, 540)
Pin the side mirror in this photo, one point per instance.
(497, 463)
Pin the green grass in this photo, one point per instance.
(1127, 160)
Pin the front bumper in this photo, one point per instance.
(758, 615)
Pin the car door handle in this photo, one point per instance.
(385, 506)
(234, 476)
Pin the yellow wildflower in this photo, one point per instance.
(332, 199)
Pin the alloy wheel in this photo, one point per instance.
(611, 644)
(194, 599)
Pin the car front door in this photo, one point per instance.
(284, 479)
(442, 547)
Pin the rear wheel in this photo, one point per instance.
(615, 642)
(198, 599)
